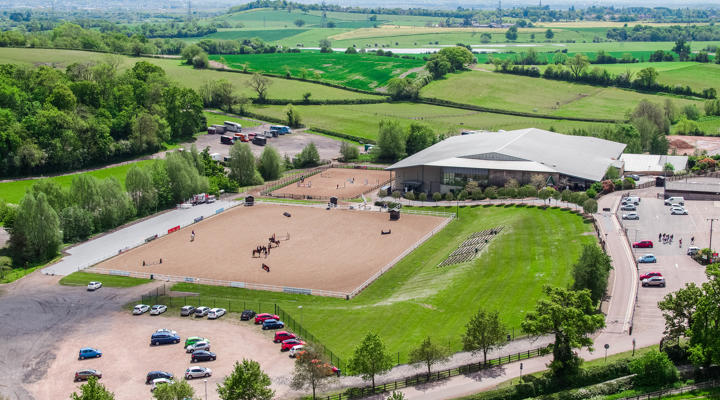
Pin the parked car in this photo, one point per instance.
(141, 309)
(290, 343)
(629, 207)
(673, 201)
(152, 375)
(92, 286)
(296, 350)
(195, 339)
(649, 275)
(85, 374)
(201, 311)
(198, 346)
(246, 315)
(187, 310)
(643, 244)
(159, 382)
(654, 281)
(158, 309)
(678, 211)
(197, 372)
(631, 200)
(282, 335)
(89, 352)
(692, 250)
(272, 324)
(166, 330)
(260, 318)
(647, 258)
(164, 338)
(216, 313)
(634, 177)
(202, 355)
(631, 215)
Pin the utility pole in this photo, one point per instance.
(711, 226)
(189, 11)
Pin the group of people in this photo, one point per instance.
(668, 239)
(261, 250)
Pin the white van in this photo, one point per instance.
(631, 199)
(671, 201)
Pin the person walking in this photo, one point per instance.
(680, 242)
(692, 240)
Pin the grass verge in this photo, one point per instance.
(81, 278)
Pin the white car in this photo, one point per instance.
(295, 349)
(678, 211)
(197, 372)
(158, 309)
(201, 311)
(166, 330)
(94, 286)
(215, 313)
(141, 309)
(201, 345)
(160, 381)
(631, 215)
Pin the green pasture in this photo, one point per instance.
(267, 35)
(268, 18)
(543, 96)
(219, 119)
(362, 119)
(13, 192)
(81, 278)
(416, 298)
(360, 71)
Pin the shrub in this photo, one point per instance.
(654, 368)
(462, 195)
(608, 186)
(477, 194)
(449, 196)
(591, 193)
(410, 196)
(422, 196)
(628, 183)
(382, 193)
(396, 194)
(436, 196)
(490, 192)
(349, 151)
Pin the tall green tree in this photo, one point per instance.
(35, 235)
(308, 157)
(293, 116)
(459, 57)
(484, 332)
(76, 223)
(56, 195)
(242, 164)
(116, 206)
(370, 358)
(311, 371)
(185, 179)
(246, 382)
(592, 271)
(429, 353)
(85, 193)
(571, 317)
(577, 64)
(270, 164)
(93, 390)
(678, 308)
(183, 112)
(349, 152)
(180, 390)
(260, 84)
(419, 137)
(391, 141)
(142, 191)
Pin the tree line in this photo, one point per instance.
(91, 113)
(646, 33)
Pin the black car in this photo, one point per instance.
(152, 375)
(202, 355)
(247, 315)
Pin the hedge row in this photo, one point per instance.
(341, 135)
(282, 102)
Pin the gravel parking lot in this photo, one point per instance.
(127, 357)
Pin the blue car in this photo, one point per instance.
(164, 337)
(89, 352)
(647, 258)
(272, 324)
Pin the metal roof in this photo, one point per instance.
(578, 156)
(652, 162)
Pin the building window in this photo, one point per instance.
(461, 178)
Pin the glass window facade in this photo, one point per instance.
(461, 176)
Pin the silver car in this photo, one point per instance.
(632, 215)
(629, 207)
(197, 372)
(201, 345)
(201, 311)
(678, 211)
(187, 310)
(654, 281)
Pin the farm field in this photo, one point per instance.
(362, 119)
(426, 300)
(359, 71)
(184, 74)
(698, 76)
(521, 93)
(12, 192)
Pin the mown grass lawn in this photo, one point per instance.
(81, 278)
(219, 119)
(416, 298)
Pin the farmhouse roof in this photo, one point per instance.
(528, 149)
(652, 162)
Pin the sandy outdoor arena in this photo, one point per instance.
(127, 357)
(334, 250)
(343, 183)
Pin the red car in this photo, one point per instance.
(289, 343)
(649, 275)
(260, 318)
(643, 244)
(282, 335)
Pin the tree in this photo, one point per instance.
(76, 224)
(419, 137)
(189, 52)
(459, 57)
(370, 358)
(678, 309)
(484, 332)
(259, 84)
(538, 181)
(402, 88)
(117, 205)
(653, 368)
(180, 390)
(246, 382)
(429, 354)
(349, 151)
(437, 196)
(308, 157)
(391, 141)
(512, 33)
(571, 317)
(549, 34)
(647, 77)
(35, 234)
(438, 66)
(183, 112)
(201, 60)
(591, 272)
(142, 191)
(422, 196)
(612, 173)
(545, 193)
(242, 164)
(219, 94)
(590, 206)
(293, 117)
(325, 46)
(311, 371)
(351, 50)
(682, 49)
(299, 22)
(63, 98)
(566, 195)
(270, 164)
(92, 390)
(577, 64)
(148, 132)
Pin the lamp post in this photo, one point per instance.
(607, 346)
(205, 389)
(633, 354)
(711, 226)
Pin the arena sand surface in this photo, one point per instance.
(335, 250)
(343, 183)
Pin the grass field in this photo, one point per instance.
(13, 192)
(83, 278)
(416, 298)
(219, 119)
(360, 71)
(520, 93)
(362, 119)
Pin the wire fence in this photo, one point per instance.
(268, 188)
(669, 392)
(293, 325)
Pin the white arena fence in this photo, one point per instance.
(431, 213)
